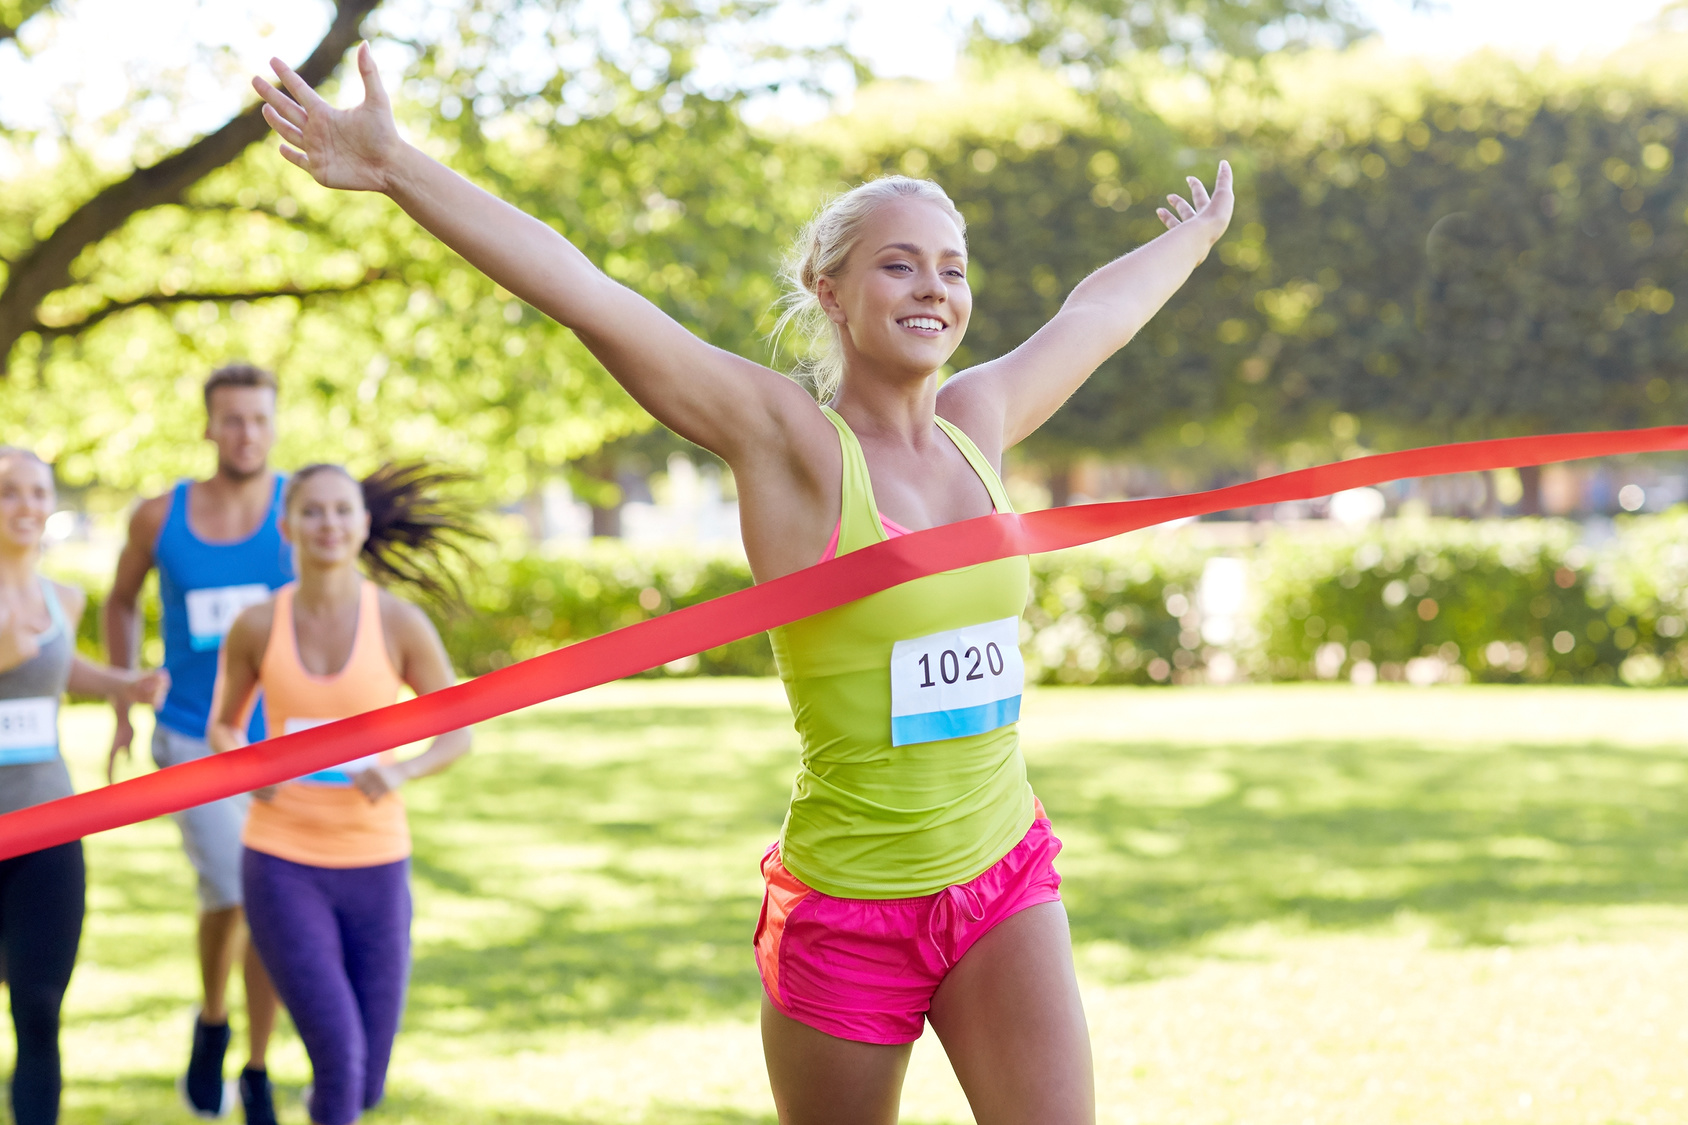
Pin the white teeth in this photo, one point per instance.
(924, 322)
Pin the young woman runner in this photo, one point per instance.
(913, 876)
(326, 867)
(41, 894)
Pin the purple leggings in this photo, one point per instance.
(336, 941)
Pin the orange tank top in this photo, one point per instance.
(322, 819)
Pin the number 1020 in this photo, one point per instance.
(950, 664)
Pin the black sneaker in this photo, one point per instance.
(203, 1087)
(255, 1097)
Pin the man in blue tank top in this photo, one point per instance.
(218, 549)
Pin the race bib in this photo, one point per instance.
(340, 776)
(954, 684)
(211, 612)
(29, 730)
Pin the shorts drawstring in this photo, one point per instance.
(958, 906)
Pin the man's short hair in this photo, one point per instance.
(237, 375)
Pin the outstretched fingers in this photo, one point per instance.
(288, 132)
(1183, 209)
(301, 90)
(285, 107)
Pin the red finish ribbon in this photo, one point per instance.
(657, 641)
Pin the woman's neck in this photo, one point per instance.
(17, 568)
(902, 410)
(328, 587)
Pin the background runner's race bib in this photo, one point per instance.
(29, 730)
(339, 776)
(211, 612)
(950, 685)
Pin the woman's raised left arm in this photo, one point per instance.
(1016, 393)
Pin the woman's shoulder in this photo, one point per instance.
(251, 628)
(72, 599)
(401, 618)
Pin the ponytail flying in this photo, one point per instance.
(416, 524)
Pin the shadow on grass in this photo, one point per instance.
(675, 806)
(135, 1099)
(616, 851)
(1175, 843)
(404, 1107)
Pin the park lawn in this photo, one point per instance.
(1290, 904)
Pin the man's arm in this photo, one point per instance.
(120, 619)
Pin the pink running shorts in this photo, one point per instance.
(866, 969)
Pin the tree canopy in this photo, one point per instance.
(1417, 255)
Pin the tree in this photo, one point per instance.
(40, 266)
(387, 343)
(1493, 252)
(1100, 34)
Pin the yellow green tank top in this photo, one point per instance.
(906, 704)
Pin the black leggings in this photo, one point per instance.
(41, 904)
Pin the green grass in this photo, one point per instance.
(1290, 904)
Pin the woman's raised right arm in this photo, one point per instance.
(723, 402)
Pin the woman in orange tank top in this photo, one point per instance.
(327, 857)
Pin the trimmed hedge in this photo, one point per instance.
(1516, 601)
(1500, 602)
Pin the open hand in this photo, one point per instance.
(1213, 210)
(341, 148)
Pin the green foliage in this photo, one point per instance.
(1496, 258)
(1104, 32)
(1514, 602)
(1105, 614)
(1488, 251)
(387, 344)
(1500, 602)
(522, 606)
(13, 13)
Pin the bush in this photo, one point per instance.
(1109, 614)
(521, 606)
(1518, 601)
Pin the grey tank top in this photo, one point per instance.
(31, 769)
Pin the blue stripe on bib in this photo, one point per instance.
(932, 726)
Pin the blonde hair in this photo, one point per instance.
(822, 250)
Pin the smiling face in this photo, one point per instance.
(326, 520)
(26, 500)
(902, 302)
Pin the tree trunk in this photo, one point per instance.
(606, 522)
(46, 265)
(1530, 503)
(1060, 484)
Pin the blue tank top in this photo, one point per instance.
(204, 586)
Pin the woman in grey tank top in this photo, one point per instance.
(41, 894)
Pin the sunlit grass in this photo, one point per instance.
(1290, 904)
